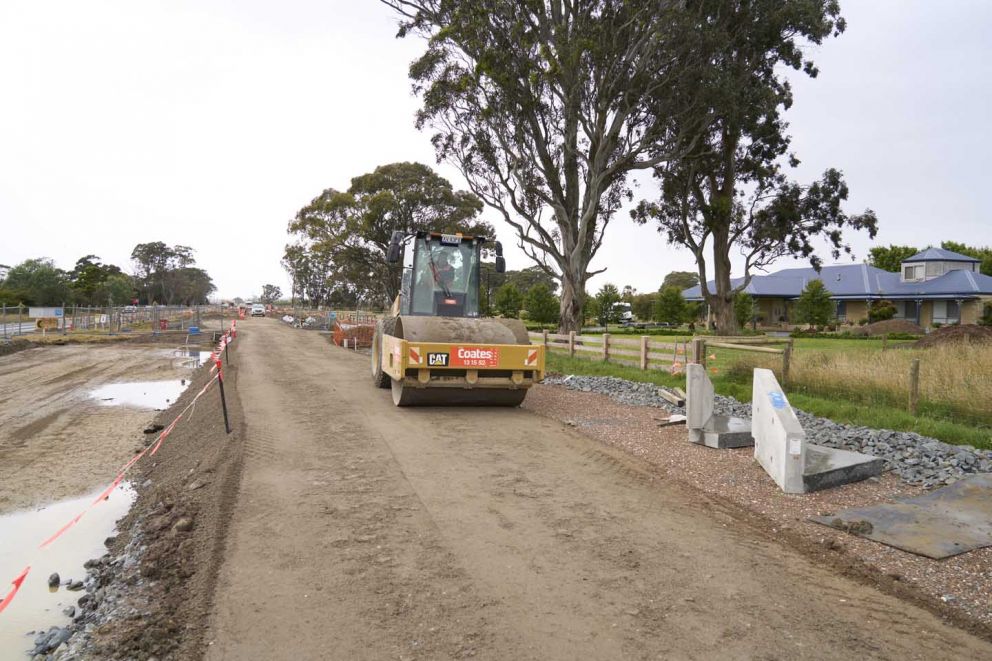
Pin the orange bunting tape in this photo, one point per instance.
(17, 586)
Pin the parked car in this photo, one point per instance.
(130, 308)
(258, 310)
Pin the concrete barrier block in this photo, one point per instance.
(779, 439)
(713, 431)
(699, 396)
(781, 448)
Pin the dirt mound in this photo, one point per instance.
(890, 326)
(956, 334)
(13, 346)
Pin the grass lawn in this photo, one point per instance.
(849, 408)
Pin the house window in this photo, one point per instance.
(842, 310)
(946, 312)
(913, 272)
(934, 269)
(909, 310)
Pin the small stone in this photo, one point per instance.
(69, 612)
(75, 586)
(109, 541)
(54, 580)
(196, 484)
(184, 524)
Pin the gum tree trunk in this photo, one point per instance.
(572, 302)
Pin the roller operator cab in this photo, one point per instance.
(433, 348)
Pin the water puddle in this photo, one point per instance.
(155, 395)
(36, 606)
(189, 357)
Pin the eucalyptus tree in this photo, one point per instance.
(731, 193)
(348, 232)
(547, 107)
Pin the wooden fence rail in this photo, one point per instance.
(643, 351)
(652, 354)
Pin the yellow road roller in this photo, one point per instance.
(433, 348)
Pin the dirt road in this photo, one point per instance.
(363, 531)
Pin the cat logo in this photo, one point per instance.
(437, 359)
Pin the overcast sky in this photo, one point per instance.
(210, 123)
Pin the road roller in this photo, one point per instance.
(433, 348)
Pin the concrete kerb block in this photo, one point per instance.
(714, 431)
(780, 445)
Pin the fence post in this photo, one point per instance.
(644, 352)
(914, 386)
(786, 362)
(571, 344)
(5, 321)
(698, 351)
(606, 347)
(885, 342)
(544, 334)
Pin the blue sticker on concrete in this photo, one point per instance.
(778, 399)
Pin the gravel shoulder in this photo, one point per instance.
(958, 589)
(365, 531)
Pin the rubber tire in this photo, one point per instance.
(385, 327)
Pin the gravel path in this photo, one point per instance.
(918, 460)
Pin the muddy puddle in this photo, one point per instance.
(155, 395)
(36, 606)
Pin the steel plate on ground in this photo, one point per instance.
(943, 523)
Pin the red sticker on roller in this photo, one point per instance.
(475, 357)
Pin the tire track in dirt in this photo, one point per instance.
(366, 531)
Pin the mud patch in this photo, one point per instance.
(66, 376)
(36, 427)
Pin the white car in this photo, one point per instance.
(258, 310)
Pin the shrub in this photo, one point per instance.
(814, 306)
(744, 308)
(541, 305)
(986, 318)
(881, 311)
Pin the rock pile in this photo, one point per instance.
(916, 459)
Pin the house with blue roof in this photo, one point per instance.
(935, 286)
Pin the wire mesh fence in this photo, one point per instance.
(18, 320)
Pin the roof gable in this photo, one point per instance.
(940, 255)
